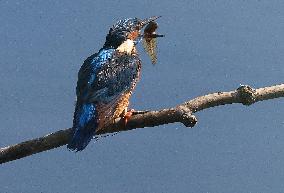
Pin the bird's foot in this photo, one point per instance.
(127, 116)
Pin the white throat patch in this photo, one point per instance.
(127, 46)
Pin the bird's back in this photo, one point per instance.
(105, 83)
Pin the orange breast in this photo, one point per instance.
(107, 113)
(121, 105)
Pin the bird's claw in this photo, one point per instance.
(127, 116)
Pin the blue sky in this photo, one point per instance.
(209, 46)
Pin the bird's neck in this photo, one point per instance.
(127, 47)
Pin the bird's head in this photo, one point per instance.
(123, 33)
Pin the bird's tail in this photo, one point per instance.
(85, 124)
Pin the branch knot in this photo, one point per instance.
(247, 95)
(186, 116)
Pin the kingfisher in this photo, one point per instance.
(106, 81)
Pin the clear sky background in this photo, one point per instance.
(209, 46)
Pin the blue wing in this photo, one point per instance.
(102, 80)
(84, 120)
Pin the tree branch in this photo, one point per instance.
(182, 113)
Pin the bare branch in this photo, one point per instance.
(182, 113)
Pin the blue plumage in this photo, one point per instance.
(84, 122)
(85, 118)
(105, 82)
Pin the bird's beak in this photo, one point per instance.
(144, 22)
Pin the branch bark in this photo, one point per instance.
(182, 113)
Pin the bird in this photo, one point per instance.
(106, 81)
